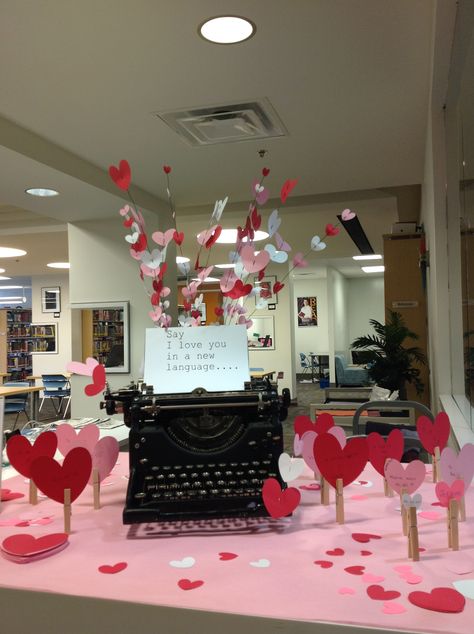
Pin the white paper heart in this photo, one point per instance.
(184, 267)
(132, 237)
(290, 468)
(239, 270)
(409, 501)
(219, 208)
(186, 562)
(465, 587)
(260, 563)
(274, 221)
(153, 259)
(262, 303)
(276, 256)
(317, 244)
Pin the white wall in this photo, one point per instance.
(365, 301)
(52, 363)
(338, 303)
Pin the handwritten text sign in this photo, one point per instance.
(178, 360)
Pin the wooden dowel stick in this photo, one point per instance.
(403, 511)
(453, 524)
(413, 540)
(339, 501)
(324, 492)
(436, 458)
(67, 511)
(96, 488)
(33, 492)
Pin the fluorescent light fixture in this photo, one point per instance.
(229, 236)
(12, 298)
(59, 265)
(206, 279)
(228, 265)
(2, 270)
(2, 277)
(9, 288)
(373, 269)
(42, 192)
(367, 257)
(8, 252)
(227, 29)
(180, 259)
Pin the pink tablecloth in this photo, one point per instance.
(274, 573)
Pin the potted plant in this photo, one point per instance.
(390, 361)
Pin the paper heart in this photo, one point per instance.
(219, 208)
(84, 369)
(186, 562)
(438, 600)
(317, 244)
(112, 570)
(323, 563)
(239, 290)
(345, 590)
(391, 607)
(281, 244)
(121, 175)
(86, 437)
(166, 169)
(412, 579)
(178, 237)
(277, 287)
(189, 291)
(25, 545)
(260, 563)
(98, 381)
(265, 171)
(430, 515)
(433, 434)
(409, 478)
(347, 214)
(163, 239)
(132, 238)
(412, 502)
(465, 587)
(308, 450)
(276, 256)
(274, 221)
(187, 584)
(218, 311)
(365, 553)
(128, 222)
(278, 502)
(299, 261)
(52, 478)
(314, 486)
(125, 210)
(255, 218)
(380, 449)
(6, 495)
(297, 445)
(22, 454)
(378, 593)
(355, 570)
(445, 493)
(287, 187)
(331, 230)
(364, 538)
(336, 552)
(239, 269)
(290, 468)
(152, 260)
(227, 556)
(324, 422)
(254, 263)
(140, 244)
(104, 456)
(336, 462)
(261, 193)
(458, 467)
(302, 424)
(368, 577)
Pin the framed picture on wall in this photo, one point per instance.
(266, 292)
(307, 311)
(51, 300)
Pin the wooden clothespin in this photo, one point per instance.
(413, 542)
(403, 511)
(462, 508)
(387, 489)
(436, 459)
(67, 511)
(453, 528)
(324, 491)
(33, 492)
(339, 501)
(96, 488)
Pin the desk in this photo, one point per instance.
(32, 378)
(293, 595)
(11, 391)
(262, 374)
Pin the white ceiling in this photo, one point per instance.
(80, 82)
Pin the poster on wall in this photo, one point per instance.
(307, 311)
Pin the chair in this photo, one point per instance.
(56, 386)
(304, 362)
(16, 404)
(347, 375)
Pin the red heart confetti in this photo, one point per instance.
(355, 570)
(363, 538)
(288, 185)
(21, 453)
(227, 556)
(166, 169)
(434, 434)
(112, 570)
(365, 553)
(323, 563)
(6, 495)
(336, 462)
(378, 593)
(98, 381)
(121, 175)
(219, 311)
(277, 287)
(178, 237)
(337, 552)
(380, 449)
(265, 171)
(331, 230)
(25, 545)
(438, 600)
(128, 222)
(187, 584)
(52, 478)
(310, 487)
(278, 502)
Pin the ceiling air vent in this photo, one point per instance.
(225, 123)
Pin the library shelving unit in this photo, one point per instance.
(16, 323)
(102, 331)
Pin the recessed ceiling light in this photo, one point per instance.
(229, 236)
(8, 252)
(2, 277)
(2, 270)
(373, 269)
(59, 265)
(228, 265)
(181, 259)
(367, 257)
(42, 192)
(227, 29)
(206, 279)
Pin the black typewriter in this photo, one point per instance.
(200, 455)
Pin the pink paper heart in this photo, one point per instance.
(458, 466)
(299, 261)
(430, 515)
(204, 236)
(254, 263)
(104, 457)
(370, 578)
(445, 493)
(412, 579)
(347, 214)
(205, 273)
(346, 590)
(297, 445)
(228, 281)
(163, 239)
(390, 607)
(86, 437)
(261, 192)
(409, 478)
(308, 454)
(84, 369)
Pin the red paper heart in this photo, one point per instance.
(166, 169)
(377, 593)
(445, 493)
(365, 553)
(113, 570)
(6, 495)
(434, 434)
(21, 453)
(128, 222)
(277, 502)
(239, 290)
(363, 538)
(335, 462)
(215, 234)
(323, 563)
(337, 552)
(187, 584)
(227, 556)
(261, 275)
(380, 449)
(121, 175)
(219, 311)
(277, 287)
(438, 600)
(141, 244)
(98, 381)
(195, 314)
(331, 230)
(25, 545)
(256, 219)
(288, 185)
(187, 306)
(303, 424)
(52, 479)
(324, 422)
(265, 171)
(355, 570)
(178, 237)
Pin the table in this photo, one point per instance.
(320, 361)
(32, 378)
(66, 593)
(11, 391)
(261, 374)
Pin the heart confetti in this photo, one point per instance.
(438, 600)
(113, 570)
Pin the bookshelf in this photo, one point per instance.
(103, 329)
(18, 361)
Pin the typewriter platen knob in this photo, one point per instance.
(143, 460)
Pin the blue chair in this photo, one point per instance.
(304, 362)
(349, 376)
(57, 388)
(16, 404)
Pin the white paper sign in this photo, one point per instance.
(178, 360)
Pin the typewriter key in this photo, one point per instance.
(139, 496)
